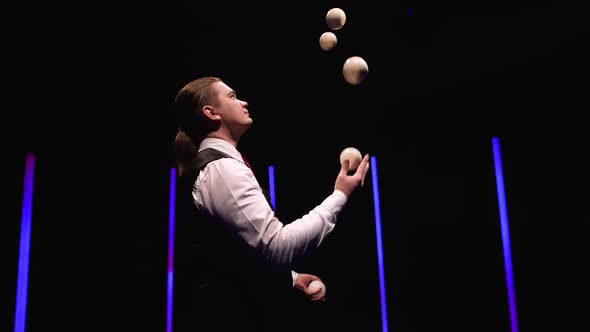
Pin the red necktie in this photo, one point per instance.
(245, 162)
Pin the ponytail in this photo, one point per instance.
(185, 151)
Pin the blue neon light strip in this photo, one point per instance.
(505, 234)
(25, 246)
(170, 286)
(271, 181)
(377, 206)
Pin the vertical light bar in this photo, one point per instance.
(25, 246)
(505, 234)
(271, 182)
(377, 206)
(170, 285)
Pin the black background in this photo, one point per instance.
(89, 90)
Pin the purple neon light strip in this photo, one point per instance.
(377, 206)
(25, 246)
(505, 234)
(170, 285)
(271, 181)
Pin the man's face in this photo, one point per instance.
(233, 112)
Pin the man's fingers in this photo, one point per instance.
(345, 166)
(364, 169)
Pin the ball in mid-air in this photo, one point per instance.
(335, 18)
(355, 70)
(328, 41)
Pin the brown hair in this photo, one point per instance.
(193, 126)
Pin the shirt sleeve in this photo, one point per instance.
(229, 191)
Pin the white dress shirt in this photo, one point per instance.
(228, 190)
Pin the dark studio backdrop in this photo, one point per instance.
(91, 94)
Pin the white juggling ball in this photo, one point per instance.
(353, 155)
(328, 41)
(335, 18)
(316, 286)
(355, 70)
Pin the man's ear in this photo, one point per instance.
(209, 112)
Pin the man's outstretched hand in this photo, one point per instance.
(348, 183)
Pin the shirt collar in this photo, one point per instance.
(221, 145)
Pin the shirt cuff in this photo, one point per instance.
(341, 194)
(294, 275)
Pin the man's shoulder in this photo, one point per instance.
(206, 156)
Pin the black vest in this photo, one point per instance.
(215, 274)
